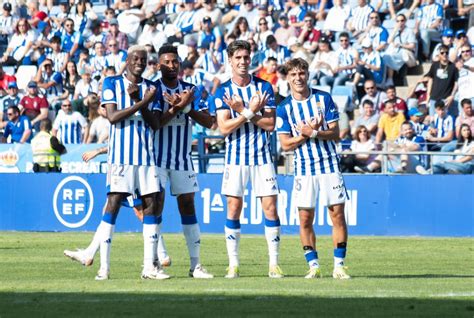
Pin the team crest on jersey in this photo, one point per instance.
(108, 94)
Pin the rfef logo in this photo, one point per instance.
(73, 201)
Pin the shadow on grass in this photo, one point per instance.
(221, 305)
(409, 276)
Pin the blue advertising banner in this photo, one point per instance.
(439, 205)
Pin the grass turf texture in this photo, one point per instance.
(392, 277)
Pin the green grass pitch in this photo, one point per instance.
(392, 277)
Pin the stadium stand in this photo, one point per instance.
(201, 29)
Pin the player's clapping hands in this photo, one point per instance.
(235, 102)
(306, 129)
(149, 95)
(258, 101)
(134, 92)
(178, 101)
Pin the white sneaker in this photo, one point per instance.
(200, 272)
(275, 272)
(79, 256)
(166, 262)
(154, 273)
(422, 170)
(232, 272)
(340, 273)
(102, 274)
(314, 272)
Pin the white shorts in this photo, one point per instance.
(129, 179)
(181, 182)
(330, 187)
(263, 179)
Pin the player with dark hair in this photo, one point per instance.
(245, 108)
(178, 109)
(308, 124)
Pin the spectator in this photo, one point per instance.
(447, 38)
(297, 13)
(442, 127)
(269, 71)
(376, 33)
(184, 24)
(97, 35)
(70, 82)
(209, 34)
(116, 57)
(49, 82)
(428, 22)
(465, 66)
(71, 40)
(337, 18)
(466, 117)
(98, 61)
(369, 119)
(399, 103)
(280, 53)
(7, 21)
(262, 13)
(324, 65)
(46, 150)
(116, 36)
(85, 86)
(407, 142)
(376, 96)
(58, 57)
(82, 16)
(462, 164)
(347, 60)
(35, 106)
(309, 35)
(370, 66)
(19, 46)
(208, 9)
(416, 121)
(5, 80)
(18, 127)
(11, 99)
(241, 30)
(100, 125)
(459, 41)
(261, 36)
(285, 31)
(152, 72)
(282, 89)
(389, 125)
(69, 126)
(359, 18)
(207, 60)
(401, 48)
(198, 77)
(442, 81)
(362, 142)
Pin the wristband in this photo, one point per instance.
(247, 113)
(186, 109)
(314, 134)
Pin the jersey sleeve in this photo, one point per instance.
(331, 113)
(108, 92)
(218, 100)
(57, 78)
(282, 122)
(267, 87)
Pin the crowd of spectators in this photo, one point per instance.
(358, 50)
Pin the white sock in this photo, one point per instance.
(161, 248)
(192, 234)
(232, 239)
(106, 231)
(150, 239)
(312, 258)
(95, 244)
(338, 262)
(272, 234)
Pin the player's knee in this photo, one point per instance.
(186, 204)
(113, 202)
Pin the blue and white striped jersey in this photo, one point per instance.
(57, 88)
(249, 145)
(131, 141)
(378, 36)
(185, 21)
(374, 58)
(429, 13)
(116, 60)
(418, 139)
(443, 125)
(346, 57)
(173, 141)
(359, 17)
(69, 127)
(282, 54)
(315, 156)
